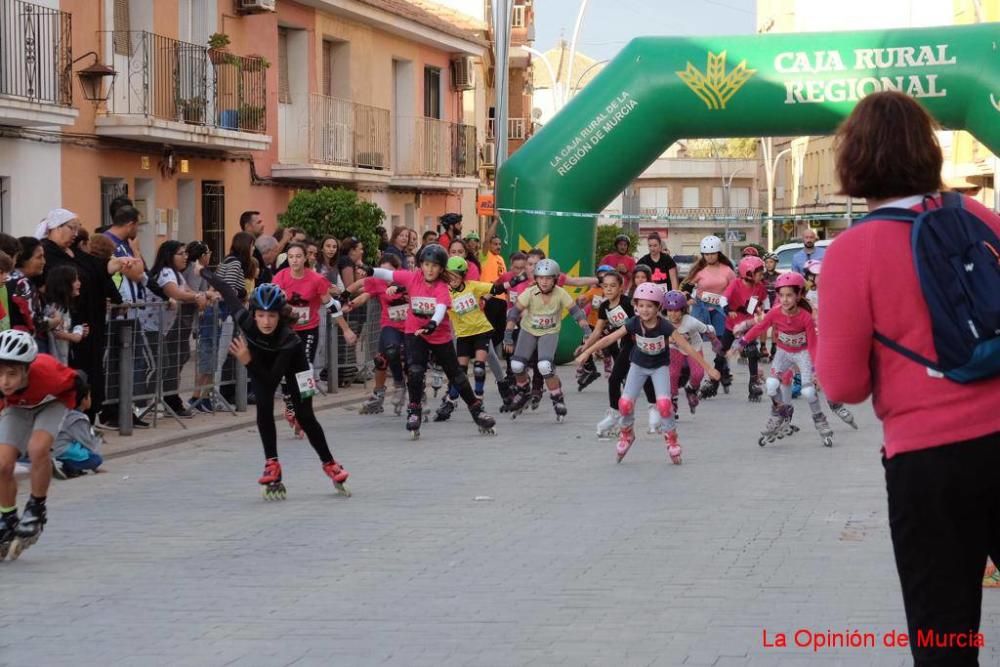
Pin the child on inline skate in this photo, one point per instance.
(429, 334)
(675, 303)
(770, 276)
(612, 314)
(273, 353)
(591, 301)
(650, 358)
(708, 280)
(539, 310)
(37, 392)
(796, 337)
(472, 330)
(744, 298)
(389, 355)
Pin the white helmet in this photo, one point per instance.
(16, 345)
(711, 244)
(546, 267)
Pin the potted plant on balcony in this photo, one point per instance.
(255, 63)
(217, 44)
(252, 118)
(192, 110)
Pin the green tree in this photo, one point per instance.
(606, 240)
(745, 147)
(337, 212)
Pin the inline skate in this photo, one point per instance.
(775, 423)
(8, 526)
(841, 411)
(823, 426)
(443, 413)
(522, 396)
(373, 406)
(29, 528)
(536, 398)
(625, 439)
(398, 398)
(485, 422)
(788, 428)
(755, 390)
(709, 388)
(414, 418)
(559, 405)
(727, 380)
(692, 397)
(673, 447)
(608, 427)
(586, 374)
(338, 475)
(273, 489)
(437, 378)
(506, 389)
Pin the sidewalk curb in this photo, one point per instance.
(182, 438)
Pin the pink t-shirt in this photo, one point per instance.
(394, 308)
(304, 295)
(870, 284)
(712, 282)
(792, 333)
(424, 298)
(739, 296)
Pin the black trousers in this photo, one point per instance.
(419, 353)
(302, 406)
(944, 516)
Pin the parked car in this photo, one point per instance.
(786, 251)
(684, 263)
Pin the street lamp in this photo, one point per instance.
(92, 79)
(726, 186)
(770, 167)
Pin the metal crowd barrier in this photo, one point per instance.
(155, 350)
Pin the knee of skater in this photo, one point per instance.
(417, 372)
(809, 393)
(664, 406)
(479, 370)
(381, 362)
(626, 406)
(773, 384)
(517, 366)
(545, 368)
(392, 354)
(7, 469)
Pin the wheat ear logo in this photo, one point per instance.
(716, 87)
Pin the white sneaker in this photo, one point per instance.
(655, 420)
(606, 426)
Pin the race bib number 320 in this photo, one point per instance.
(398, 313)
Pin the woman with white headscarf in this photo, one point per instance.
(58, 231)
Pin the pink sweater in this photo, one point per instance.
(793, 333)
(869, 282)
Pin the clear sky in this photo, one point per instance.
(609, 24)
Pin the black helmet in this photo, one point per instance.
(268, 297)
(623, 237)
(449, 219)
(643, 268)
(433, 252)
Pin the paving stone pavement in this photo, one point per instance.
(528, 548)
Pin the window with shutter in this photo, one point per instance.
(121, 28)
(284, 92)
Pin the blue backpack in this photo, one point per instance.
(957, 258)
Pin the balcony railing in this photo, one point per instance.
(432, 147)
(347, 134)
(35, 53)
(171, 80)
(516, 128)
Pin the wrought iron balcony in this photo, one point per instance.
(516, 128)
(348, 134)
(428, 147)
(169, 90)
(35, 65)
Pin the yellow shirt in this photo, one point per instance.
(543, 315)
(466, 315)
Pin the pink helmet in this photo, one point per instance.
(813, 266)
(749, 265)
(674, 300)
(648, 292)
(790, 279)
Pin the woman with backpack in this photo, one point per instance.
(898, 338)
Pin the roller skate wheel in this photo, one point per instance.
(16, 547)
(487, 431)
(619, 458)
(560, 419)
(342, 489)
(414, 435)
(274, 492)
(761, 441)
(828, 442)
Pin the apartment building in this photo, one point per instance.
(288, 95)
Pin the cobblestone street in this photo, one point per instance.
(531, 547)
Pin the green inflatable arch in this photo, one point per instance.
(658, 90)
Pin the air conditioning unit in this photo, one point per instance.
(463, 74)
(489, 154)
(254, 6)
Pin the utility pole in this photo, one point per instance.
(770, 167)
(503, 9)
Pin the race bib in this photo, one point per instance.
(301, 314)
(792, 340)
(306, 383)
(710, 298)
(752, 305)
(398, 313)
(464, 304)
(653, 345)
(596, 302)
(423, 306)
(542, 322)
(617, 317)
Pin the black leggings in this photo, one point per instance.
(619, 373)
(752, 351)
(418, 354)
(303, 412)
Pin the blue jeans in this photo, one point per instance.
(714, 316)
